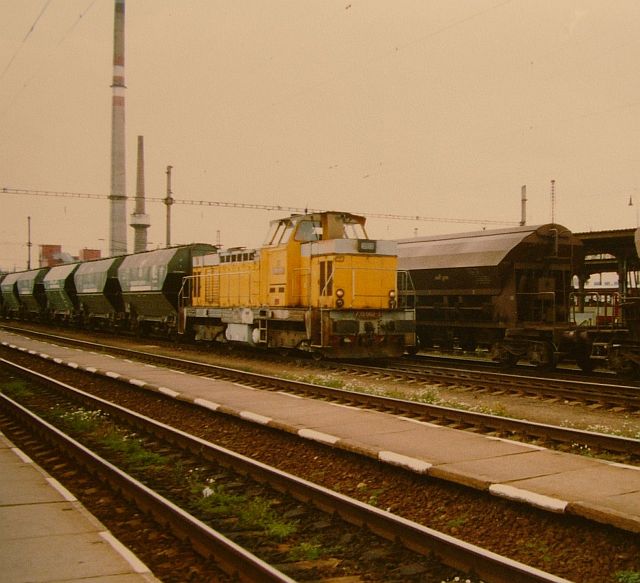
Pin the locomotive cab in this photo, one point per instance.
(326, 260)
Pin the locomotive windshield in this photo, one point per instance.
(354, 231)
(279, 232)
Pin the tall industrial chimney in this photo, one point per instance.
(139, 220)
(118, 196)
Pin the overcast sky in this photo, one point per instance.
(431, 108)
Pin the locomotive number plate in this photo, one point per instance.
(367, 315)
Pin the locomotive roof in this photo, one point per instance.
(473, 249)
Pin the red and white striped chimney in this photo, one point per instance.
(118, 196)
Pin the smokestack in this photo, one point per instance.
(553, 202)
(118, 196)
(523, 212)
(139, 220)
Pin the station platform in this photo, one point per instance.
(597, 490)
(47, 535)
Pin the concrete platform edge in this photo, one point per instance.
(127, 555)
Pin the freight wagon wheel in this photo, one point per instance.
(507, 360)
(625, 368)
(584, 362)
(545, 357)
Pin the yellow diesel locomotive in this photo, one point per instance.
(318, 284)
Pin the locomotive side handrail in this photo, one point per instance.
(184, 294)
(406, 289)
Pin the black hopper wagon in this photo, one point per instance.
(150, 283)
(505, 290)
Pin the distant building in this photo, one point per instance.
(89, 254)
(52, 255)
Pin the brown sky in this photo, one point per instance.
(430, 108)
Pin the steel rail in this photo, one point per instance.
(455, 553)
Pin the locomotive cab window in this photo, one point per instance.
(309, 231)
(354, 231)
(279, 233)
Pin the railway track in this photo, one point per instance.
(613, 395)
(622, 448)
(410, 544)
(563, 370)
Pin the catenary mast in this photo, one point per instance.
(118, 197)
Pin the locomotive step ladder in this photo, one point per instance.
(263, 326)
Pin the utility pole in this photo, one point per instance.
(168, 201)
(29, 244)
(523, 205)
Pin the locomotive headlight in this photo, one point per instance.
(340, 293)
(392, 294)
(392, 299)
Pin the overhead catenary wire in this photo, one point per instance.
(43, 65)
(252, 206)
(24, 40)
